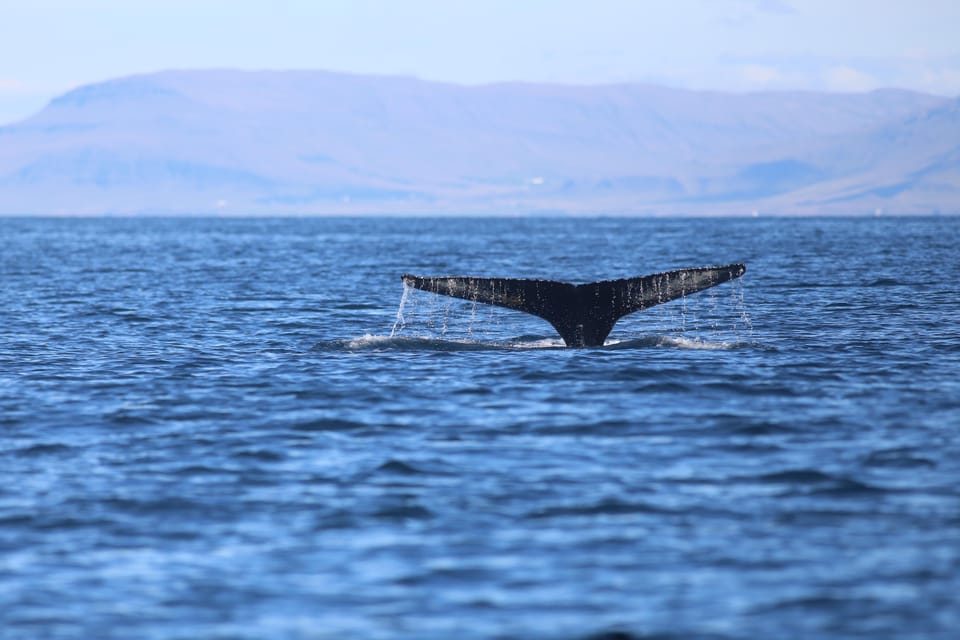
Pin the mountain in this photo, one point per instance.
(310, 142)
(910, 165)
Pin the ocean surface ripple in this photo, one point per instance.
(220, 429)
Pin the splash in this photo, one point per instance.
(369, 342)
(695, 343)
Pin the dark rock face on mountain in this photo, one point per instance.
(303, 142)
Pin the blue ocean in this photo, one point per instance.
(249, 429)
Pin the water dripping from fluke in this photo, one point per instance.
(400, 321)
(583, 315)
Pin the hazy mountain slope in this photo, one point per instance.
(913, 163)
(301, 141)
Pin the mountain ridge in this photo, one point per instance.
(315, 142)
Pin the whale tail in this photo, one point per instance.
(582, 314)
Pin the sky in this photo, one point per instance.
(48, 47)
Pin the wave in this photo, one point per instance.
(674, 342)
(369, 342)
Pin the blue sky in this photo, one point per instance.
(50, 46)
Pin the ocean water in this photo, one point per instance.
(207, 431)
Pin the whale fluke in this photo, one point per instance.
(583, 314)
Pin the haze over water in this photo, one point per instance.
(206, 430)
